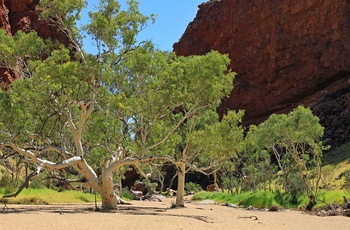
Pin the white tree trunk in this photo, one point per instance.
(180, 202)
(103, 185)
(109, 198)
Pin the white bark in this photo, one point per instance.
(180, 193)
(109, 198)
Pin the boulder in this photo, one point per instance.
(212, 188)
(139, 186)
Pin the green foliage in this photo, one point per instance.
(64, 12)
(217, 140)
(21, 49)
(114, 28)
(36, 183)
(192, 187)
(127, 195)
(27, 45)
(203, 195)
(5, 180)
(268, 199)
(134, 97)
(8, 183)
(332, 197)
(258, 199)
(150, 184)
(295, 141)
(50, 196)
(288, 200)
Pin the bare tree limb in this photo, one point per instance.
(24, 185)
(134, 161)
(26, 182)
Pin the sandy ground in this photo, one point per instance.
(158, 215)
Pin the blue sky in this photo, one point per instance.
(173, 16)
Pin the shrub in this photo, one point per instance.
(127, 195)
(192, 187)
(36, 184)
(5, 180)
(9, 184)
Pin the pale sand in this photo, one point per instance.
(157, 215)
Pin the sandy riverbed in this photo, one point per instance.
(158, 215)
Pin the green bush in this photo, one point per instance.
(151, 185)
(5, 180)
(127, 195)
(260, 199)
(288, 200)
(9, 184)
(203, 195)
(192, 187)
(294, 187)
(36, 184)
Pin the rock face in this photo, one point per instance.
(24, 15)
(285, 52)
(334, 113)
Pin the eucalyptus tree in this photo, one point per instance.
(100, 112)
(295, 141)
(207, 144)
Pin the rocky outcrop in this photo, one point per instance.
(285, 52)
(4, 20)
(23, 15)
(334, 113)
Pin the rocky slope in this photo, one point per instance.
(285, 53)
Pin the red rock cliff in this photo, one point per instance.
(286, 52)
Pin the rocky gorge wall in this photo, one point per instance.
(285, 52)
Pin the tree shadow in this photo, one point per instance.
(131, 210)
(34, 209)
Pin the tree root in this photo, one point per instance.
(121, 201)
(248, 217)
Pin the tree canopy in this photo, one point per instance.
(98, 112)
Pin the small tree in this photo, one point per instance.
(257, 167)
(209, 143)
(295, 141)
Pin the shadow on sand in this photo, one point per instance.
(88, 209)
